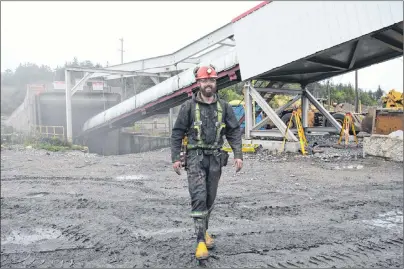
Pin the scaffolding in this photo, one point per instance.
(252, 93)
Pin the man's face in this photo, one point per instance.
(207, 86)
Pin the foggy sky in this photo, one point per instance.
(52, 33)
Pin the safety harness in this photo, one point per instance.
(198, 124)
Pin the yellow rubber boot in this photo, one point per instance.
(201, 252)
(210, 243)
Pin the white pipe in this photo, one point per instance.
(167, 87)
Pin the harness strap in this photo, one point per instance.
(219, 124)
(198, 122)
(197, 126)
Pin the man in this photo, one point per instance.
(204, 119)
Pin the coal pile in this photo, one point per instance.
(326, 148)
(323, 147)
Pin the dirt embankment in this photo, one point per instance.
(82, 210)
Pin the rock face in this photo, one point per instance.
(384, 146)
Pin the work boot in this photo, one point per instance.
(210, 243)
(201, 252)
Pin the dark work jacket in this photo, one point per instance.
(186, 116)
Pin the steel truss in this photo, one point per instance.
(253, 94)
(206, 48)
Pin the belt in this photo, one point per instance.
(200, 151)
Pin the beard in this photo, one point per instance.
(208, 91)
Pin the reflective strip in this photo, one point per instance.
(219, 122)
(199, 214)
(198, 122)
(219, 111)
(201, 146)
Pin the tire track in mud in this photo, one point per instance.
(78, 234)
(107, 243)
(137, 185)
(58, 259)
(30, 179)
(343, 205)
(361, 254)
(252, 212)
(101, 241)
(364, 254)
(83, 203)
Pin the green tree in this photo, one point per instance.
(366, 98)
(13, 83)
(379, 93)
(7, 77)
(234, 92)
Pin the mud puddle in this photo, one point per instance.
(37, 194)
(389, 220)
(131, 177)
(21, 237)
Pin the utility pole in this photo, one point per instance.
(123, 85)
(121, 50)
(356, 92)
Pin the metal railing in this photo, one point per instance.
(48, 131)
(149, 128)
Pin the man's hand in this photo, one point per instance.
(238, 163)
(177, 167)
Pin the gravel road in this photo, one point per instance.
(73, 209)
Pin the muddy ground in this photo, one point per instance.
(82, 210)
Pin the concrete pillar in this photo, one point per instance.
(32, 111)
(105, 143)
(305, 109)
(111, 144)
(170, 122)
(248, 111)
(125, 143)
(69, 131)
(38, 110)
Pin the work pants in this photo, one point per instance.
(204, 169)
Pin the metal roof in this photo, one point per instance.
(373, 48)
(304, 42)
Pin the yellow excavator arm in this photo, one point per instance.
(393, 99)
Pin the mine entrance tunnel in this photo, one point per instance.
(52, 108)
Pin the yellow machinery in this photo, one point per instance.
(393, 99)
(237, 102)
(245, 147)
(300, 131)
(348, 124)
(388, 119)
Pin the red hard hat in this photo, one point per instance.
(205, 72)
